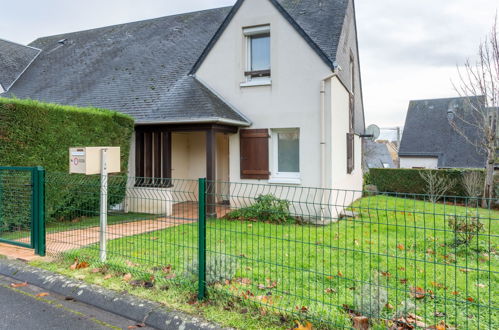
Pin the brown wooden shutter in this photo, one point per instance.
(254, 149)
(350, 152)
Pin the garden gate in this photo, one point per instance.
(22, 207)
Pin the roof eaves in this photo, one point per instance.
(283, 12)
(215, 120)
(16, 43)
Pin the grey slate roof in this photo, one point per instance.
(376, 155)
(142, 68)
(14, 58)
(427, 132)
(319, 22)
(137, 68)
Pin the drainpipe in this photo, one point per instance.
(323, 139)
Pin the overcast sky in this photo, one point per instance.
(409, 49)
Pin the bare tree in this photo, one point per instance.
(436, 185)
(479, 85)
(473, 183)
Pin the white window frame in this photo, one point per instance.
(248, 33)
(282, 177)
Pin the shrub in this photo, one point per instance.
(267, 208)
(39, 134)
(465, 228)
(219, 268)
(436, 185)
(371, 299)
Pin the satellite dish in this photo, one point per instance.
(374, 131)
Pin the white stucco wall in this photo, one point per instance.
(293, 99)
(423, 162)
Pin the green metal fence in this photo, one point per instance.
(333, 257)
(22, 207)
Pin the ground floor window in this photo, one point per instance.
(152, 158)
(286, 155)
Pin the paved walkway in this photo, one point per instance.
(183, 213)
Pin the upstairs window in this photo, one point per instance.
(258, 53)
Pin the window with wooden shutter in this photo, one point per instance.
(254, 149)
(350, 152)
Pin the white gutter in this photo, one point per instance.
(195, 121)
(323, 140)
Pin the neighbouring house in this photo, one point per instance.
(377, 154)
(14, 59)
(266, 91)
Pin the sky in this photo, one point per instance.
(409, 49)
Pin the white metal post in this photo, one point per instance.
(103, 205)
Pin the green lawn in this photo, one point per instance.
(314, 272)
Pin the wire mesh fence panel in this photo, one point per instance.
(16, 209)
(151, 223)
(338, 257)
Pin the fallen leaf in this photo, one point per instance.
(470, 299)
(329, 277)
(329, 290)
(42, 294)
(386, 274)
(127, 277)
(437, 285)
(389, 306)
(402, 268)
(455, 293)
(18, 285)
(299, 326)
(400, 246)
(430, 251)
(108, 276)
(403, 280)
(170, 276)
(465, 270)
(361, 323)
(244, 281)
(480, 285)
(271, 284)
(417, 292)
(95, 270)
(153, 238)
(340, 274)
(303, 309)
(130, 264)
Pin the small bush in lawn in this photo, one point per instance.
(465, 228)
(371, 299)
(219, 268)
(267, 208)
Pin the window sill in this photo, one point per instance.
(285, 181)
(254, 83)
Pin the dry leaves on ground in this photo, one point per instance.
(79, 265)
(42, 294)
(18, 285)
(417, 292)
(127, 277)
(299, 326)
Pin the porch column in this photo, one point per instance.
(211, 148)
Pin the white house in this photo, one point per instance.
(264, 92)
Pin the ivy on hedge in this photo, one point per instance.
(33, 133)
(402, 180)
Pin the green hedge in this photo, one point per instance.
(409, 180)
(34, 133)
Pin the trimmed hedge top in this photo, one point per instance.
(34, 133)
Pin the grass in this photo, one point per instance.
(397, 246)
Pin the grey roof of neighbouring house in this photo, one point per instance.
(14, 59)
(428, 133)
(376, 155)
(142, 68)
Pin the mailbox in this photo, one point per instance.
(87, 160)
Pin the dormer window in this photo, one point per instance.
(258, 55)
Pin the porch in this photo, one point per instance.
(167, 160)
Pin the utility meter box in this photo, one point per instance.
(87, 160)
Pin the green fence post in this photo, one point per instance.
(39, 192)
(202, 239)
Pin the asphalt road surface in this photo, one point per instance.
(21, 308)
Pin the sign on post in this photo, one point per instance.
(97, 160)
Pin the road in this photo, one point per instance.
(21, 308)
